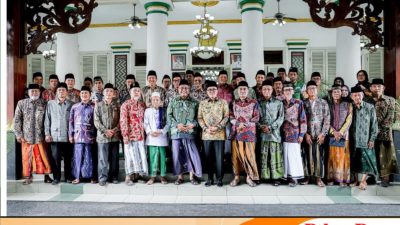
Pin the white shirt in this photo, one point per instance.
(150, 125)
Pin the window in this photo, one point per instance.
(140, 75)
(140, 58)
(36, 63)
(96, 64)
(219, 60)
(373, 64)
(324, 62)
(273, 57)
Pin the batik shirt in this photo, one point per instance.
(385, 109)
(295, 123)
(57, 120)
(213, 113)
(364, 127)
(198, 95)
(170, 95)
(341, 118)
(257, 90)
(246, 112)
(225, 92)
(29, 120)
(271, 115)
(318, 117)
(48, 95)
(323, 92)
(147, 91)
(73, 95)
(250, 95)
(182, 111)
(106, 117)
(131, 120)
(124, 95)
(299, 88)
(97, 96)
(81, 123)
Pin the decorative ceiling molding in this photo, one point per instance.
(45, 18)
(361, 15)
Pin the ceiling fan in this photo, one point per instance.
(279, 18)
(135, 21)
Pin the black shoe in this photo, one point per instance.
(55, 182)
(209, 183)
(384, 183)
(47, 179)
(102, 183)
(219, 183)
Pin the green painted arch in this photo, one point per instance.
(242, 3)
(163, 4)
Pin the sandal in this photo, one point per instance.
(304, 182)
(151, 181)
(342, 184)
(330, 183)
(293, 183)
(27, 181)
(163, 180)
(320, 183)
(194, 181)
(234, 182)
(277, 183)
(354, 184)
(250, 182)
(178, 181)
(76, 181)
(363, 185)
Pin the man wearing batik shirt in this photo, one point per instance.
(132, 130)
(318, 124)
(152, 87)
(384, 147)
(225, 91)
(271, 119)
(166, 82)
(321, 88)
(37, 78)
(363, 133)
(29, 131)
(50, 93)
(97, 94)
(278, 88)
(124, 92)
(281, 73)
(106, 121)
(173, 92)
(88, 82)
(251, 93)
(294, 128)
(189, 75)
(82, 133)
(260, 77)
(213, 116)
(182, 120)
(56, 131)
(244, 116)
(73, 94)
(197, 92)
(299, 87)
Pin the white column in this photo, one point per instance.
(252, 38)
(348, 55)
(67, 59)
(158, 58)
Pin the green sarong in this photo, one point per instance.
(157, 157)
(271, 160)
(364, 161)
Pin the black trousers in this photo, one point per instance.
(61, 150)
(214, 153)
(108, 155)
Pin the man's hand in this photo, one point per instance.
(321, 139)
(299, 140)
(181, 127)
(21, 140)
(241, 126)
(337, 135)
(155, 133)
(371, 144)
(308, 139)
(48, 139)
(71, 140)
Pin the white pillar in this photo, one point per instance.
(67, 58)
(158, 58)
(252, 38)
(348, 55)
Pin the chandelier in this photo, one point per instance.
(50, 54)
(206, 36)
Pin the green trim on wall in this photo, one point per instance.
(120, 52)
(261, 2)
(156, 11)
(234, 44)
(231, 49)
(297, 43)
(178, 50)
(163, 4)
(178, 45)
(252, 9)
(297, 49)
(119, 47)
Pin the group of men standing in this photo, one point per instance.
(280, 129)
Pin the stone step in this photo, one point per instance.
(187, 189)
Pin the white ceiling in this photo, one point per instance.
(117, 11)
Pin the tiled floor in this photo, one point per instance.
(199, 194)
